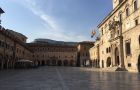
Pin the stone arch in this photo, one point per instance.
(108, 62)
(48, 62)
(71, 62)
(54, 62)
(135, 1)
(91, 63)
(43, 62)
(117, 57)
(39, 64)
(1, 57)
(65, 62)
(127, 5)
(139, 63)
(6, 59)
(59, 63)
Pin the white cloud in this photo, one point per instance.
(55, 31)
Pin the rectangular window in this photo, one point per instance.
(129, 64)
(136, 22)
(106, 50)
(127, 12)
(128, 48)
(109, 49)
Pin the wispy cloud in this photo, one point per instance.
(55, 31)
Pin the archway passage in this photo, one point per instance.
(6, 59)
(94, 63)
(43, 63)
(108, 63)
(71, 62)
(117, 58)
(0, 61)
(59, 63)
(65, 62)
(91, 63)
(48, 62)
(139, 63)
(54, 62)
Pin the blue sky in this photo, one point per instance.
(64, 20)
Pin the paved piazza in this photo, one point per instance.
(67, 78)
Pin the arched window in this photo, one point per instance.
(127, 11)
(109, 49)
(106, 50)
(135, 5)
(120, 17)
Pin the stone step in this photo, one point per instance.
(114, 69)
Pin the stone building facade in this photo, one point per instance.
(83, 58)
(95, 55)
(120, 36)
(12, 49)
(53, 54)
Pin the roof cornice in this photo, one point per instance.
(112, 13)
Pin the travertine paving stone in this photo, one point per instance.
(67, 78)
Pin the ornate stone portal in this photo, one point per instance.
(116, 41)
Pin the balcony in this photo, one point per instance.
(115, 29)
(115, 33)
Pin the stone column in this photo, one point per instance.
(121, 47)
